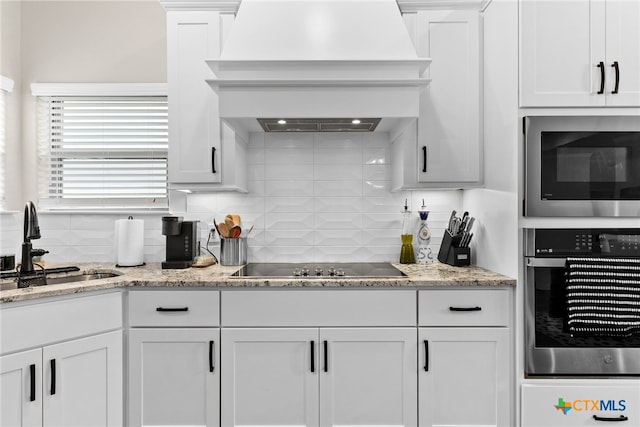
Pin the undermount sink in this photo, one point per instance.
(80, 278)
(38, 280)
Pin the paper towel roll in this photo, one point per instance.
(129, 242)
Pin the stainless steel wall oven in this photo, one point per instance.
(582, 166)
(573, 331)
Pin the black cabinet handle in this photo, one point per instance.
(172, 309)
(32, 380)
(424, 158)
(426, 356)
(326, 356)
(465, 308)
(211, 348)
(616, 67)
(313, 356)
(213, 159)
(601, 66)
(620, 418)
(53, 376)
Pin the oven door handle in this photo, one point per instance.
(545, 262)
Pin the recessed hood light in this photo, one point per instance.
(319, 125)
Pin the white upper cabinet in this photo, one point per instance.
(444, 149)
(202, 149)
(579, 53)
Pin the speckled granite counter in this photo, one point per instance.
(152, 275)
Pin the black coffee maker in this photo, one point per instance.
(182, 241)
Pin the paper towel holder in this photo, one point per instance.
(135, 264)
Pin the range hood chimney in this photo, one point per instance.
(320, 59)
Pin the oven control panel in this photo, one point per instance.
(583, 242)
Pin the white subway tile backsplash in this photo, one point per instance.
(312, 197)
(338, 205)
(373, 172)
(339, 141)
(288, 156)
(351, 188)
(290, 172)
(337, 221)
(332, 238)
(337, 172)
(288, 221)
(289, 237)
(289, 188)
(376, 156)
(289, 204)
(337, 157)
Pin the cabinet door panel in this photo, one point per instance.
(194, 123)
(268, 379)
(561, 44)
(466, 381)
(623, 45)
(449, 125)
(16, 406)
(88, 382)
(368, 377)
(170, 378)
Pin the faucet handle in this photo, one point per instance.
(38, 252)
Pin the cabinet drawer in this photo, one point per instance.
(319, 308)
(174, 308)
(462, 307)
(44, 323)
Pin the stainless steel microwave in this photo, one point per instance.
(582, 166)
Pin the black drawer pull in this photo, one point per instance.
(326, 356)
(32, 380)
(211, 348)
(426, 356)
(313, 356)
(53, 376)
(616, 67)
(465, 308)
(620, 418)
(172, 309)
(424, 159)
(601, 66)
(213, 159)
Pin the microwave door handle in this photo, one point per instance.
(545, 262)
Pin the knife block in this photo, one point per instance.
(450, 252)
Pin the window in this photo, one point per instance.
(6, 85)
(103, 151)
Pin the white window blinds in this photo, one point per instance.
(104, 151)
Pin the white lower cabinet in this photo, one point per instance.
(62, 362)
(83, 382)
(319, 377)
(174, 376)
(21, 389)
(74, 383)
(463, 377)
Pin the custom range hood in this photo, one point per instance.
(318, 62)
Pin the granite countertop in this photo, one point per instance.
(217, 276)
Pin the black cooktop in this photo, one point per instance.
(320, 270)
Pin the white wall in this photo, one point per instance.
(11, 67)
(496, 206)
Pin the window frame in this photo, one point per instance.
(48, 90)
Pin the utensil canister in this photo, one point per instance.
(233, 251)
